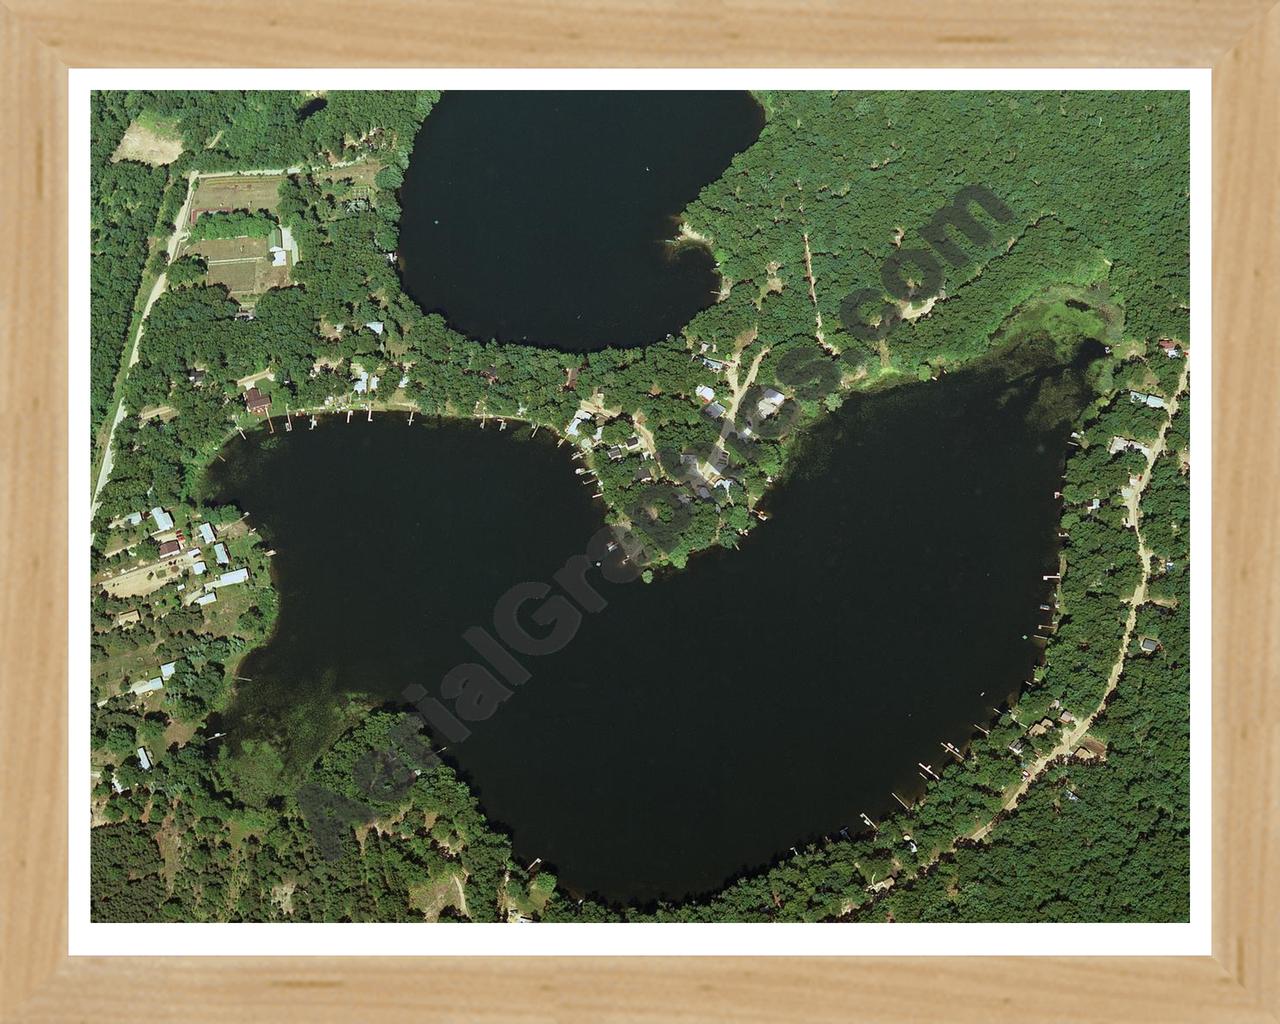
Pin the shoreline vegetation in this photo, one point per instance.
(210, 834)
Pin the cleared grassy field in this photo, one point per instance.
(237, 192)
(243, 265)
(155, 145)
(362, 173)
(111, 674)
(262, 191)
(239, 278)
(223, 250)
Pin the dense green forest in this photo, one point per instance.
(812, 228)
(233, 224)
(124, 202)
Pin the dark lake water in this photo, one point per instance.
(705, 723)
(547, 216)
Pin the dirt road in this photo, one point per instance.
(1072, 738)
(171, 248)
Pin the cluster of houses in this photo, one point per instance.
(708, 476)
(769, 403)
(710, 406)
(365, 383)
(156, 682)
(174, 545)
(226, 579)
(619, 451)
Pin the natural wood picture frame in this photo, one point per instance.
(39, 41)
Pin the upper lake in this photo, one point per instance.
(705, 723)
(548, 217)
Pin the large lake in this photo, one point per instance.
(548, 217)
(705, 723)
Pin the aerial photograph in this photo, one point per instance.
(639, 506)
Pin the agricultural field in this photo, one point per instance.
(243, 265)
(236, 192)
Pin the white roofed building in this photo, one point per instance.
(229, 578)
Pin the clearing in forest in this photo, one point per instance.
(236, 192)
(244, 265)
(155, 143)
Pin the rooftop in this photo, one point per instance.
(256, 401)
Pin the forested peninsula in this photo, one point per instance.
(244, 277)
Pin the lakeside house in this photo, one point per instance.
(714, 365)
(220, 553)
(162, 519)
(579, 418)
(206, 533)
(229, 579)
(170, 548)
(256, 402)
